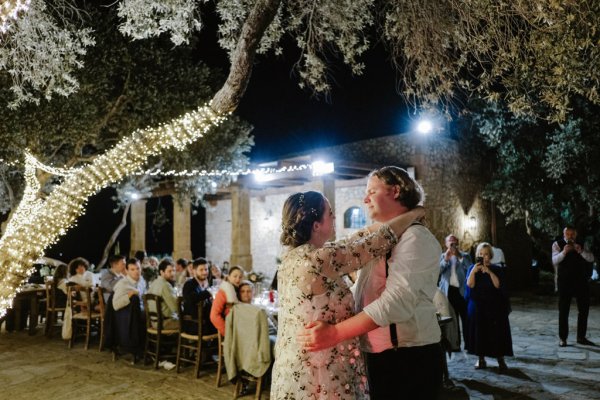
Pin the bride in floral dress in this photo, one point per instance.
(312, 287)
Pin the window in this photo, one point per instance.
(354, 218)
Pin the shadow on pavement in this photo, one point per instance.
(497, 393)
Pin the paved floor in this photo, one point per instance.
(33, 367)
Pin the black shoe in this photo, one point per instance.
(562, 343)
(585, 342)
(502, 365)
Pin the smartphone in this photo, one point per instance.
(479, 260)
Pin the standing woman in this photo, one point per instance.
(312, 288)
(487, 310)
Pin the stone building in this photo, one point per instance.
(243, 222)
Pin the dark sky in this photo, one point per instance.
(288, 119)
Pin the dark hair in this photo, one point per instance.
(140, 255)
(115, 258)
(183, 262)
(199, 261)
(164, 263)
(75, 263)
(411, 193)
(131, 261)
(234, 268)
(300, 211)
(60, 273)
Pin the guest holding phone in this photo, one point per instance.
(487, 310)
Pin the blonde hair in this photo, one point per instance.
(484, 245)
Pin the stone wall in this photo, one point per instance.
(452, 180)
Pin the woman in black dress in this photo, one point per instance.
(487, 310)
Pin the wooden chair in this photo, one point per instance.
(254, 327)
(154, 327)
(83, 315)
(189, 343)
(52, 307)
(221, 362)
(244, 376)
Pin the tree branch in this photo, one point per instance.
(228, 98)
(114, 236)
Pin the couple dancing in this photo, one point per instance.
(318, 354)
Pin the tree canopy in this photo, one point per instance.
(125, 86)
(521, 52)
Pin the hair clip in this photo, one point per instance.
(301, 200)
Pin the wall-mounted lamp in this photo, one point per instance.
(471, 223)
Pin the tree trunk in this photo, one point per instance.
(113, 237)
(40, 224)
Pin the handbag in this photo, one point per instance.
(67, 329)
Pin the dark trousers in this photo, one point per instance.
(581, 292)
(407, 372)
(458, 302)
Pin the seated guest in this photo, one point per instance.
(163, 287)
(60, 280)
(215, 275)
(127, 287)
(181, 272)
(194, 292)
(79, 274)
(124, 318)
(225, 298)
(111, 275)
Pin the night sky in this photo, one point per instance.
(288, 119)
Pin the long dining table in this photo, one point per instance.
(28, 294)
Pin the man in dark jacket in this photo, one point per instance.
(571, 262)
(195, 291)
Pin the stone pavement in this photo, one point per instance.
(540, 369)
(34, 367)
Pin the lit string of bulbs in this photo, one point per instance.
(158, 172)
(37, 223)
(9, 12)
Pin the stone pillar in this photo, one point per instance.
(182, 229)
(138, 226)
(329, 192)
(241, 250)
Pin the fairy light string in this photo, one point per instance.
(37, 223)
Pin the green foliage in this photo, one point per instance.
(125, 86)
(547, 174)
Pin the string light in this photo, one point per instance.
(196, 172)
(185, 173)
(37, 223)
(9, 11)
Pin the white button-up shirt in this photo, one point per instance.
(405, 297)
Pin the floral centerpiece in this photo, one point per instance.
(255, 276)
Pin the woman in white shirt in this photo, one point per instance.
(79, 274)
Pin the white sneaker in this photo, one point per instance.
(168, 365)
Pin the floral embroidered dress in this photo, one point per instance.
(312, 287)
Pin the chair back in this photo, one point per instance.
(80, 300)
(153, 308)
(101, 303)
(246, 345)
(51, 291)
(187, 323)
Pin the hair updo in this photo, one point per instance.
(300, 211)
(411, 193)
